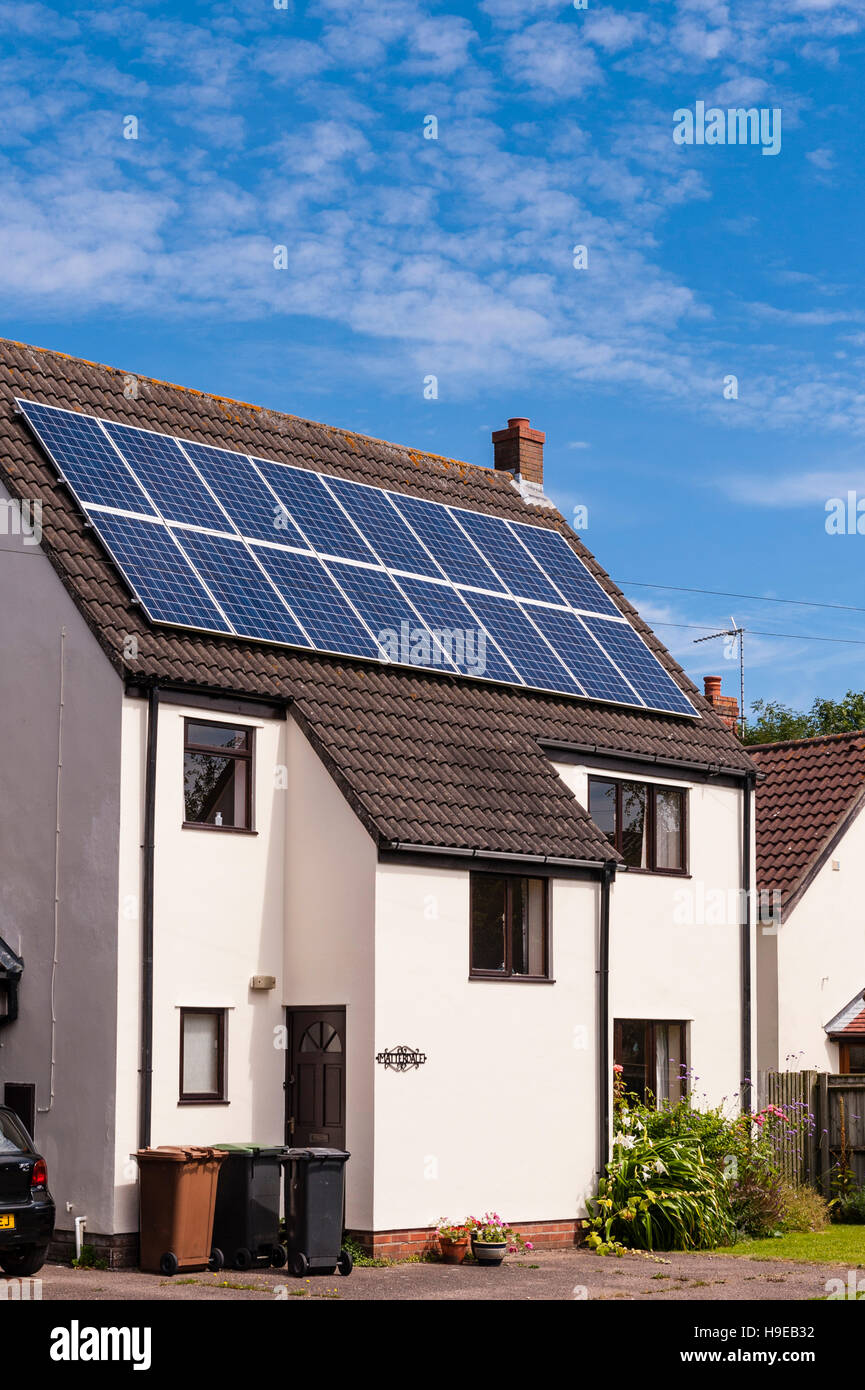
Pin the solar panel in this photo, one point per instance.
(157, 461)
(435, 526)
(645, 673)
(572, 579)
(597, 674)
(84, 456)
(224, 542)
(243, 592)
(244, 494)
(393, 541)
(170, 592)
(309, 590)
(321, 520)
(457, 630)
(533, 658)
(524, 578)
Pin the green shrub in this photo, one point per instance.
(803, 1209)
(660, 1194)
(850, 1209)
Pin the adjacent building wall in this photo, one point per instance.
(821, 956)
(75, 1130)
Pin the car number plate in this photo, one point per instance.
(7, 1223)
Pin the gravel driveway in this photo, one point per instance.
(544, 1275)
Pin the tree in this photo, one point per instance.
(775, 722)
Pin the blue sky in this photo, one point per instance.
(304, 127)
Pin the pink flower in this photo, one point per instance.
(529, 1245)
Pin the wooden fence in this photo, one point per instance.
(838, 1106)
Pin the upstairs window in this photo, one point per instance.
(509, 927)
(217, 775)
(645, 823)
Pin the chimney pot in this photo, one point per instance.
(520, 450)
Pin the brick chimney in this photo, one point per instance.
(520, 450)
(725, 706)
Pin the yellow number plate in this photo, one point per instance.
(7, 1223)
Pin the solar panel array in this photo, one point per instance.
(228, 543)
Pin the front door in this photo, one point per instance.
(315, 1079)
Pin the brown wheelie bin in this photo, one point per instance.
(178, 1195)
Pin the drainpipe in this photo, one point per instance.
(745, 971)
(609, 874)
(146, 1091)
(80, 1223)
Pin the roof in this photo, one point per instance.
(423, 758)
(850, 1022)
(810, 790)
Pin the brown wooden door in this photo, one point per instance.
(315, 1080)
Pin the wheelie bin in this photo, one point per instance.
(246, 1221)
(314, 1199)
(178, 1194)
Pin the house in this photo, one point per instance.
(262, 891)
(811, 855)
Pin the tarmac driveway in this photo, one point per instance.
(543, 1275)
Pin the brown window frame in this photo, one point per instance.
(475, 973)
(650, 1024)
(844, 1046)
(246, 755)
(219, 1097)
(652, 789)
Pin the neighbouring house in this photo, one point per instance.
(253, 890)
(811, 857)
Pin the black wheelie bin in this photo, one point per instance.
(314, 1202)
(246, 1219)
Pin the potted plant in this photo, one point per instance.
(492, 1239)
(453, 1241)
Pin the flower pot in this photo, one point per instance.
(454, 1251)
(489, 1252)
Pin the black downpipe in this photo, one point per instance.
(146, 1088)
(604, 1021)
(750, 782)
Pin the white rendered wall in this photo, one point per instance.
(821, 956)
(330, 864)
(502, 1114)
(219, 908)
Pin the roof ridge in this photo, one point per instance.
(259, 409)
(799, 742)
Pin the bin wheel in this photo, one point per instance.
(242, 1258)
(216, 1261)
(278, 1256)
(298, 1264)
(169, 1263)
(345, 1263)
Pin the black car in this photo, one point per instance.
(26, 1205)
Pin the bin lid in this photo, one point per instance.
(170, 1153)
(309, 1154)
(255, 1150)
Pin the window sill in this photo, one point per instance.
(202, 1100)
(222, 829)
(655, 873)
(512, 979)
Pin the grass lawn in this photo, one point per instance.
(835, 1245)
